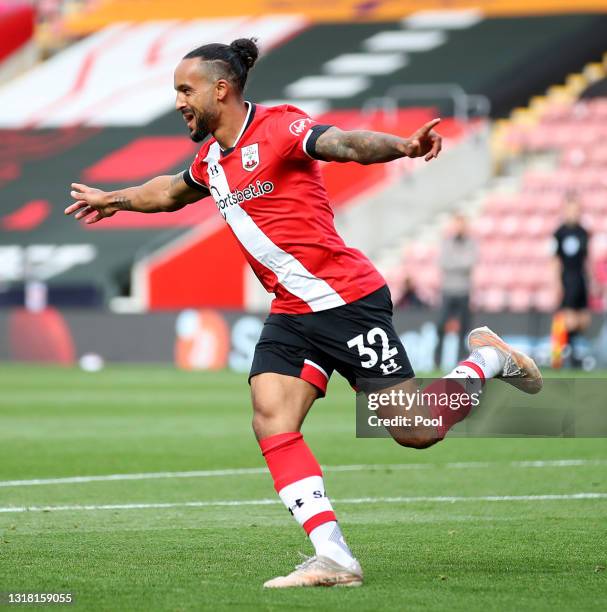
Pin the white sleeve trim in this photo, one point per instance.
(305, 142)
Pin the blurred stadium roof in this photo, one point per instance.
(106, 12)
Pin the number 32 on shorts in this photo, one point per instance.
(388, 365)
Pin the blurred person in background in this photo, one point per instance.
(408, 296)
(456, 260)
(571, 251)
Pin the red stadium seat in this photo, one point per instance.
(598, 108)
(500, 204)
(494, 250)
(594, 202)
(420, 252)
(535, 275)
(541, 203)
(598, 245)
(520, 300)
(534, 226)
(510, 226)
(505, 275)
(546, 300)
(493, 300)
(600, 225)
(575, 157)
(540, 139)
(523, 205)
(535, 180)
(556, 112)
(515, 249)
(598, 155)
(482, 276)
(543, 249)
(484, 227)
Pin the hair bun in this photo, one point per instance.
(247, 50)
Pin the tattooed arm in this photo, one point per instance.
(375, 147)
(161, 194)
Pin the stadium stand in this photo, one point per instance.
(18, 51)
(104, 12)
(358, 61)
(355, 62)
(554, 149)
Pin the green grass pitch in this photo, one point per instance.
(424, 554)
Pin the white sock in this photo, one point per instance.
(305, 499)
(488, 359)
(328, 541)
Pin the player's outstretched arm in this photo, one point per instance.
(161, 194)
(367, 147)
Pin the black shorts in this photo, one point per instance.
(358, 340)
(575, 294)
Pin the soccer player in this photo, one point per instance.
(332, 309)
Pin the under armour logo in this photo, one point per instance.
(389, 367)
(213, 170)
(298, 504)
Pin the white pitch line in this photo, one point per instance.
(327, 468)
(271, 502)
(141, 476)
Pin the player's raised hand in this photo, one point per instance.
(91, 204)
(425, 142)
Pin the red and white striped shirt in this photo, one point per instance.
(269, 189)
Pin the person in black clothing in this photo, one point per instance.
(571, 249)
(408, 297)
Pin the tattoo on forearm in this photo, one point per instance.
(176, 180)
(361, 146)
(122, 203)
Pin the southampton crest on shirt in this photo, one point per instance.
(250, 157)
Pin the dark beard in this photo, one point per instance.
(201, 129)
